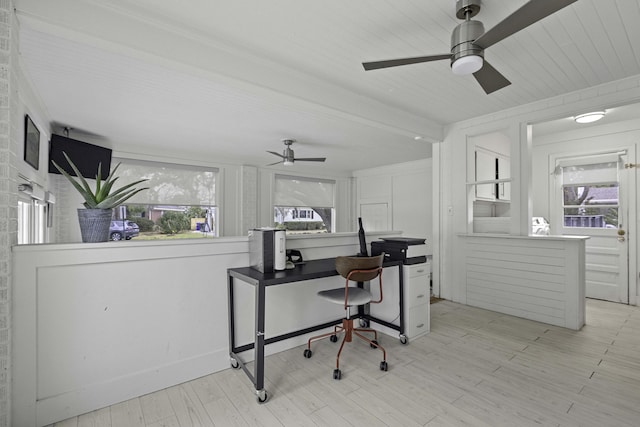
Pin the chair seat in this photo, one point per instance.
(357, 296)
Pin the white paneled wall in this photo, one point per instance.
(397, 197)
(538, 278)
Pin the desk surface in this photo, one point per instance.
(313, 269)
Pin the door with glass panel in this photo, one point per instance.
(591, 200)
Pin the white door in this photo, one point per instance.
(591, 200)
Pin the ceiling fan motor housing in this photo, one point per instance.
(462, 40)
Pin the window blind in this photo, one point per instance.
(169, 184)
(299, 192)
(590, 174)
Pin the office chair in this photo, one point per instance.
(356, 269)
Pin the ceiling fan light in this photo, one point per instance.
(591, 117)
(287, 162)
(466, 65)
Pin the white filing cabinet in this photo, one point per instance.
(417, 297)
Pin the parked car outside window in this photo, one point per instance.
(120, 229)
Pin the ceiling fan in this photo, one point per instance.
(288, 157)
(469, 40)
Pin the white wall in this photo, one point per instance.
(397, 197)
(29, 104)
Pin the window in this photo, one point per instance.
(591, 195)
(32, 216)
(180, 201)
(304, 205)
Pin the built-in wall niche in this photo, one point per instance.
(489, 182)
(494, 169)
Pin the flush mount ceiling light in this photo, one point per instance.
(591, 117)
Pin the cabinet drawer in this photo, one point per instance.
(417, 321)
(418, 270)
(418, 292)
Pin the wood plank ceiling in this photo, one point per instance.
(231, 78)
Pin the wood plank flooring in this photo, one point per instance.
(476, 368)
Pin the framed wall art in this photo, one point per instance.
(31, 143)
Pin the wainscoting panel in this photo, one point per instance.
(537, 278)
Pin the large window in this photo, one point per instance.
(591, 195)
(180, 201)
(304, 205)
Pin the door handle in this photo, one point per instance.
(621, 234)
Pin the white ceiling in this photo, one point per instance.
(227, 80)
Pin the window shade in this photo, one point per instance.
(169, 184)
(590, 174)
(298, 192)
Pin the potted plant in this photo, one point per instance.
(95, 218)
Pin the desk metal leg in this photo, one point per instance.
(403, 337)
(261, 393)
(257, 376)
(232, 326)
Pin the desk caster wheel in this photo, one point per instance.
(337, 374)
(383, 365)
(374, 344)
(234, 364)
(403, 339)
(261, 396)
(364, 323)
(307, 353)
(333, 338)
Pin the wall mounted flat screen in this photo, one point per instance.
(85, 156)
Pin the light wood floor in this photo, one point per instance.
(476, 368)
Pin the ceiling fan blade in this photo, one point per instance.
(276, 163)
(277, 154)
(532, 12)
(404, 61)
(490, 79)
(310, 159)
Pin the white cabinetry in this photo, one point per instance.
(417, 298)
(492, 173)
(485, 171)
(504, 172)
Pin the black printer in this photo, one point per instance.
(409, 250)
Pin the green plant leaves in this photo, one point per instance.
(102, 197)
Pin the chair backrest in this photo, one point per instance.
(346, 264)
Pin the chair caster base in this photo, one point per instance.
(337, 374)
(384, 366)
(307, 353)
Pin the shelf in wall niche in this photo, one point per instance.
(490, 181)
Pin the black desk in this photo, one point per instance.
(314, 269)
